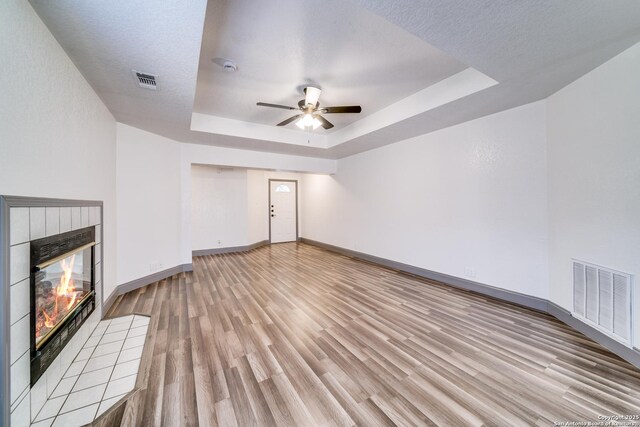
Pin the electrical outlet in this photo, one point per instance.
(470, 272)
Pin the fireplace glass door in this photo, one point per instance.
(61, 285)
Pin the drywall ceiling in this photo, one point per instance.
(414, 65)
(355, 56)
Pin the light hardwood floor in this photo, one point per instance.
(291, 334)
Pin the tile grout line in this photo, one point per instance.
(120, 396)
(110, 376)
(74, 383)
(19, 357)
(17, 283)
(20, 319)
(16, 403)
(78, 376)
(23, 279)
(102, 399)
(85, 406)
(109, 380)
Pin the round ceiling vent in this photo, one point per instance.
(229, 66)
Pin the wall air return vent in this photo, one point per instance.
(146, 80)
(603, 298)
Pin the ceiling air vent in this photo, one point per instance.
(146, 80)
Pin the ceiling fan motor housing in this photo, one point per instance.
(312, 94)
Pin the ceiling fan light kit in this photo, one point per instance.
(308, 122)
(311, 112)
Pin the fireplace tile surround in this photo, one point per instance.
(22, 220)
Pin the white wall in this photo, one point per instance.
(208, 155)
(57, 139)
(470, 196)
(219, 207)
(257, 204)
(155, 197)
(148, 193)
(593, 130)
(230, 205)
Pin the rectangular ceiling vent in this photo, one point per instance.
(146, 80)
(602, 297)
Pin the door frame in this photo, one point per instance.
(269, 204)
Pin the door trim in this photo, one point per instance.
(269, 205)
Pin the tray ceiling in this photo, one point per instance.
(415, 66)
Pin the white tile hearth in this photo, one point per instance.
(125, 369)
(90, 379)
(118, 327)
(100, 361)
(120, 386)
(51, 408)
(108, 403)
(114, 336)
(136, 332)
(76, 368)
(101, 374)
(80, 399)
(64, 386)
(140, 321)
(78, 417)
(85, 353)
(131, 342)
(104, 349)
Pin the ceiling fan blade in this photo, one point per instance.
(284, 107)
(345, 109)
(289, 120)
(325, 123)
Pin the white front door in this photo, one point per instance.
(283, 212)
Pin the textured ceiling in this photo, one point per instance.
(355, 56)
(373, 53)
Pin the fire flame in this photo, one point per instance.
(65, 293)
(66, 288)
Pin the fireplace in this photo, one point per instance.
(62, 293)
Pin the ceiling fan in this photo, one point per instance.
(311, 112)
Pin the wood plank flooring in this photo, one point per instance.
(291, 334)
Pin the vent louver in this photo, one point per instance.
(146, 80)
(602, 297)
